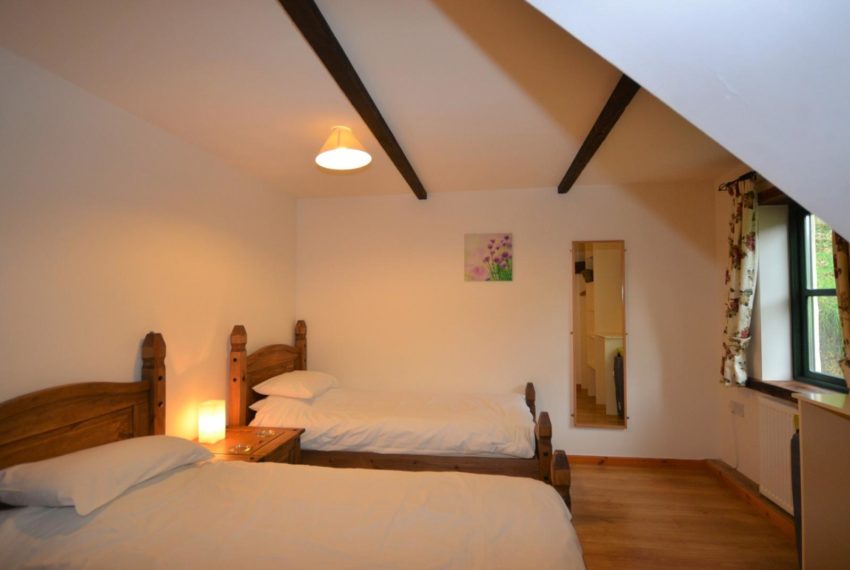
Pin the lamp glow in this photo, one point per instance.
(342, 151)
(211, 421)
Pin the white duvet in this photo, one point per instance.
(344, 419)
(241, 515)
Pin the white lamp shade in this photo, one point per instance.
(342, 151)
(211, 421)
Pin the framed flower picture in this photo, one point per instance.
(488, 257)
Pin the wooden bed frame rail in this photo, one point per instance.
(248, 370)
(561, 476)
(69, 418)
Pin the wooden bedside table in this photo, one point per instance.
(258, 444)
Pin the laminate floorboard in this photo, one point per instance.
(668, 517)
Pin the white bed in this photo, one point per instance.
(100, 486)
(231, 515)
(346, 419)
(477, 433)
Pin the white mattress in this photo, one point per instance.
(344, 419)
(241, 515)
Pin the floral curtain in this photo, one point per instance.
(741, 270)
(842, 289)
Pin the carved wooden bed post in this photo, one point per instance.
(530, 397)
(301, 344)
(238, 379)
(153, 371)
(561, 477)
(543, 433)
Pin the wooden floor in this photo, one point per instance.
(669, 517)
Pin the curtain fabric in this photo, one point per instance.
(842, 290)
(741, 271)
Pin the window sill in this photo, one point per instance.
(785, 389)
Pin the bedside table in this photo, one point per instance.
(258, 444)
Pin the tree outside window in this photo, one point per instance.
(816, 326)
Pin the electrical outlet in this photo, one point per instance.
(737, 408)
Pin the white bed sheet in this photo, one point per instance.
(235, 515)
(345, 419)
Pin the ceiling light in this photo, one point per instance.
(342, 151)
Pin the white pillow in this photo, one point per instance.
(92, 477)
(260, 404)
(302, 384)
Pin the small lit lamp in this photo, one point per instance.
(342, 151)
(211, 421)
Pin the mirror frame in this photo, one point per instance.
(573, 332)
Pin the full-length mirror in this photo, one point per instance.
(599, 334)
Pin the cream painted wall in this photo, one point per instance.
(109, 228)
(380, 283)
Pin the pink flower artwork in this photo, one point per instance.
(488, 257)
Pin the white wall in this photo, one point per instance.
(770, 357)
(380, 283)
(765, 78)
(110, 228)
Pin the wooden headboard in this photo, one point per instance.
(248, 370)
(72, 417)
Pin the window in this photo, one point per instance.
(815, 326)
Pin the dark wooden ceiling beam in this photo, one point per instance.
(315, 29)
(773, 196)
(617, 103)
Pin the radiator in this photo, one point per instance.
(776, 426)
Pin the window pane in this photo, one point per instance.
(825, 341)
(821, 274)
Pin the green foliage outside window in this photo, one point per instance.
(824, 309)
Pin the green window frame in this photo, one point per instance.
(814, 322)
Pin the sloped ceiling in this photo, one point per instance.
(481, 95)
(767, 79)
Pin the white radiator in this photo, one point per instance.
(776, 426)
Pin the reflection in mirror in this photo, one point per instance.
(599, 334)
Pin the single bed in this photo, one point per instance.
(476, 433)
(229, 514)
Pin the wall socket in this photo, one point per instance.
(737, 408)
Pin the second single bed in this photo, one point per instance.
(479, 433)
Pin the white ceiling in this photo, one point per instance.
(481, 95)
(767, 78)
